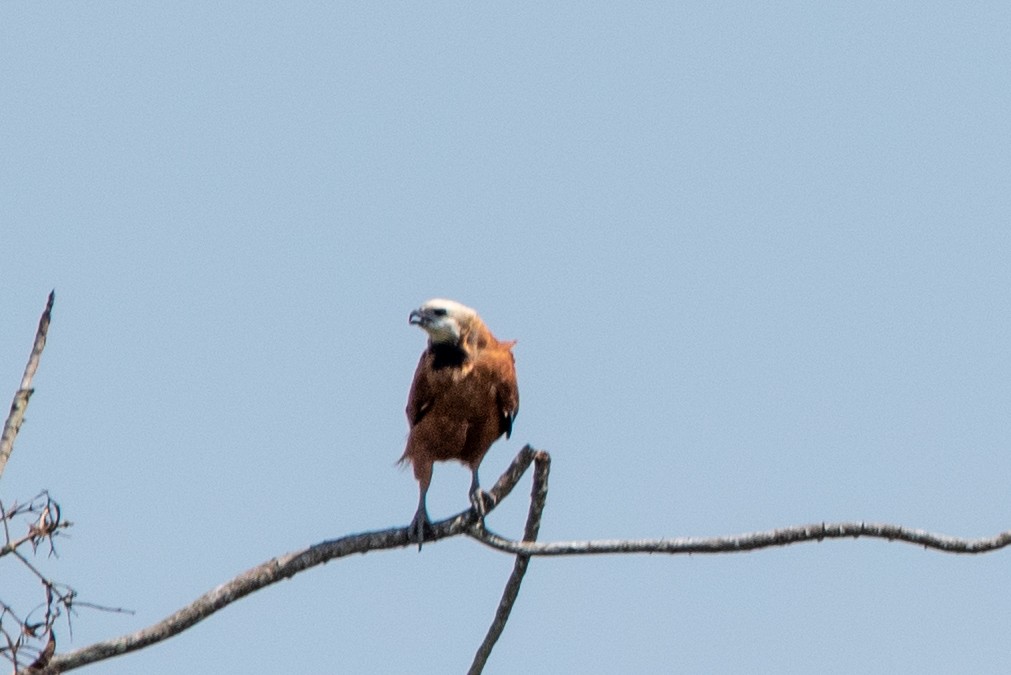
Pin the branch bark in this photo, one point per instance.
(751, 541)
(538, 496)
(279, 569)
(16, 417)
(284, 567)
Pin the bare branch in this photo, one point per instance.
(279, 569)
(750, 541)
(538, 496)
(17, 414)
(465, 522)
(46, 526)
(27, 636)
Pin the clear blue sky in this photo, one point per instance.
(756, 258)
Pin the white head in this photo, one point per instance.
(443, 320)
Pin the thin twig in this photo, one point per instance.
(7, 549)
(750, 541)
(538, 496)
(16, 417)
(47, 525)
(4, 517)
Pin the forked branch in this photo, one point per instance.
(286, 566)
(278, 569)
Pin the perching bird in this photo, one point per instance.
(463, 398)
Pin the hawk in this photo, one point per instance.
(464, 397)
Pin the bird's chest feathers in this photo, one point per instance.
(457, 375)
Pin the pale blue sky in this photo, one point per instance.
(756, 258)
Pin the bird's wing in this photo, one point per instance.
(507, 392)
(422, 395)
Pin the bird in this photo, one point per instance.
(463, 398)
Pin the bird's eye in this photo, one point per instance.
(439, 312)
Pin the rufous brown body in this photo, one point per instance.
(463, 398)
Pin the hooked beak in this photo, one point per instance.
(416, 317)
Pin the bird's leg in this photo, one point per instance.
(479, 499)
(420, 524)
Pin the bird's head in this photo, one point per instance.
(445, 321)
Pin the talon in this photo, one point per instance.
(482, 503)
(418, 527)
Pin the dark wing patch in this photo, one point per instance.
(507, 423)
(508, 396)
